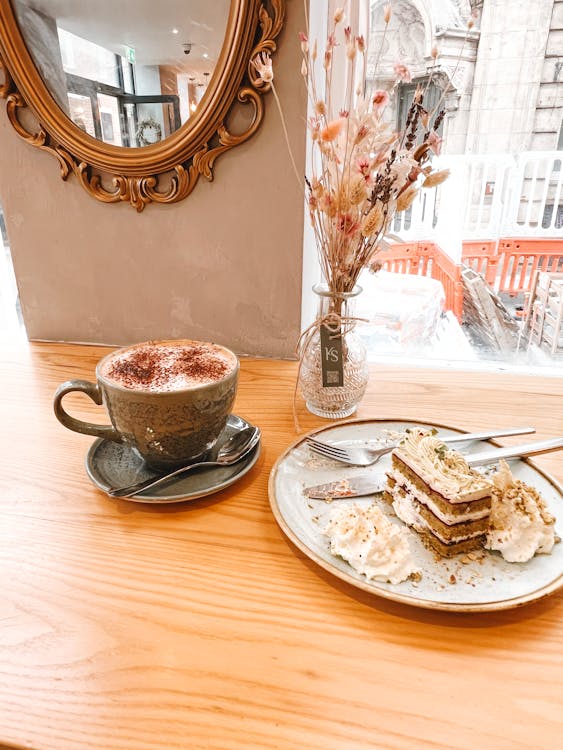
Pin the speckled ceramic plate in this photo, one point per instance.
(458, 584)
(112, 464)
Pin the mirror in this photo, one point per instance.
(128, 73)
(136, 98)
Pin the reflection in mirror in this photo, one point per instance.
(128, 73)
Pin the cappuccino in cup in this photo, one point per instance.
(167, 400)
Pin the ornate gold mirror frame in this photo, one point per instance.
(167, 171)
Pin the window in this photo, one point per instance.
(462, 279)
(11, 323)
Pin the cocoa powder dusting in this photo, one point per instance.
(197, 364)
(159, 368)
(138, 369)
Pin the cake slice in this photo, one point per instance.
(435, 491)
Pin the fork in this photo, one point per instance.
(357, 455)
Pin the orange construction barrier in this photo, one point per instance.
(508, 265)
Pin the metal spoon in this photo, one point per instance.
(235, 449)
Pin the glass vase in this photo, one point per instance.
(334, 401)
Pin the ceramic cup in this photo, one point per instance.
(167, 400)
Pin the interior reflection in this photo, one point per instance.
(127, 73)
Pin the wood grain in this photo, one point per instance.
(200, 626)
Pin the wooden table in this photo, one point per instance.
(200, 626)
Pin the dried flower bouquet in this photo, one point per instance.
(363, 172)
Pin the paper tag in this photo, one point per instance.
(331, 358)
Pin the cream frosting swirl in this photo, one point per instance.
(443, 469)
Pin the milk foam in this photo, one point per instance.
(168, 366)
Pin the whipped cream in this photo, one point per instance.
(372, 545)
(405, 509)
(520, 524)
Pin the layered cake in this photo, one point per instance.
(435, 491)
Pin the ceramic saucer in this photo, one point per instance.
(111, 464)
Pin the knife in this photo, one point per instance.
(363, 484)
(372, 483)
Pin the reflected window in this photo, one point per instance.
(88, 60)
(125, 74)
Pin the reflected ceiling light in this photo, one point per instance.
(193, 107)
(175, 31)
(205, 55)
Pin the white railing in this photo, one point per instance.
(489, 196)
(536, 204)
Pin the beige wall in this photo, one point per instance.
(223, 265)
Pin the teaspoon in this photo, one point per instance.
(235, 449)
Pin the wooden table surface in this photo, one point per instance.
(199, 625)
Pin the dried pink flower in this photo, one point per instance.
(380, 99)
(263, 65)
(402, 72)
(364, 167)
(363, 130)
(304, 42)
(348, 224)
(387, 13)
(361, 43)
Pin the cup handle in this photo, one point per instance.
(77, 425)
